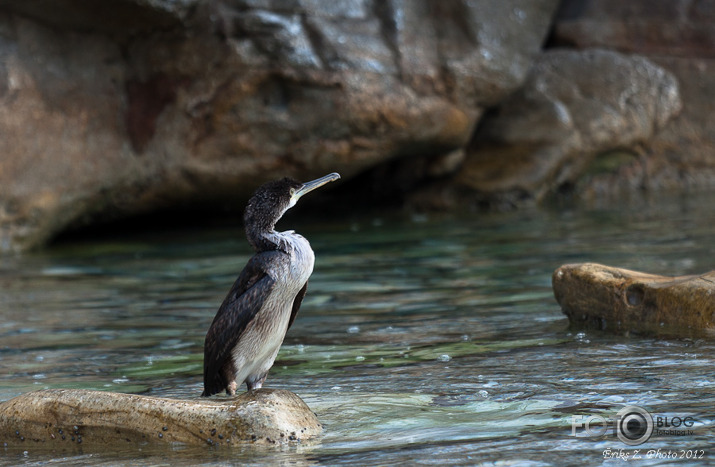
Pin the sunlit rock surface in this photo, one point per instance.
(66, 418)
(126, 106)
(620, 300)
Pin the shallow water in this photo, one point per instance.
(423, 339)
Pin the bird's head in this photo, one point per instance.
(273, 199)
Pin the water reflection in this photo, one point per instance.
(421, 339)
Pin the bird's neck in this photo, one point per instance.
(261, 238)
(260, 229)
(270, 239)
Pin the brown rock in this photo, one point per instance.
(622, 301)
(131, 106)
(67, 418)
(573, 106)
(678, 36)
(677, 28)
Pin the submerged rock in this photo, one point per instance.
(620, 300)
(60, 418)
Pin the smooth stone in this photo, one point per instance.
(55, 418)
(621, 300)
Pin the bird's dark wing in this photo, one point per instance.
(296, 304)
(243, 301)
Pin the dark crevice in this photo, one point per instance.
(385, 13)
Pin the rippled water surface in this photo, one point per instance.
(423, 339)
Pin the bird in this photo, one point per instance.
(249, 327)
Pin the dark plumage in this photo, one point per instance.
(248, 329)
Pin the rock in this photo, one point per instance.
(679, 28)
(133, 106)
(66, 418)
(573, 106)
(619, 300)
(122, 18)
(677, 36)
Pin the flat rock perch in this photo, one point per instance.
(67, 417)
(621, 300)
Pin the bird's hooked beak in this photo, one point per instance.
(310, 186)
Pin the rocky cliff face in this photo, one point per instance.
(677, 36)
(131, 105)
(574, 107)
(121, 107)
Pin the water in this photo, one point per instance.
(423, 339)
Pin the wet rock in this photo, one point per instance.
(55, 418)
(573, 106)
(622, 301)
(677, 36)
(132, 106)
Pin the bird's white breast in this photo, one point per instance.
(256, 351)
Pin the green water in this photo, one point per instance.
(427, 339)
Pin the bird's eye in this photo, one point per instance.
(292, 191)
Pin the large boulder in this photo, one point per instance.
(574, 106)
(127, 106)
(677, 35)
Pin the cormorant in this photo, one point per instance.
(253, 319)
